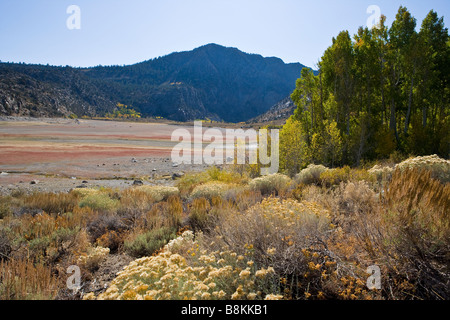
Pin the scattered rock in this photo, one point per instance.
(138, 183)
(177, 175)
(84, 181)
(82, 186)
(34, 181)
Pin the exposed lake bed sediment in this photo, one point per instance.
(56, 155)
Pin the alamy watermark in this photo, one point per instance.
(374, 19)
(237, 146)
(74, 281)
(374, 280)
(73, 22)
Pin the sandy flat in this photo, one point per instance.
(58, 149)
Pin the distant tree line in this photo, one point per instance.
(123, 112)
(385, 90)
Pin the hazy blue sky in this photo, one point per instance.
(116, 32)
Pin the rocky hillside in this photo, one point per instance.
(212, 81)
(280, 111)
(38, 91)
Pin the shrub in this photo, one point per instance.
(211, 189)
(273, 223)
(418, 230)
(216, 174)
(242, 197)
(135, 199)
(148, 243)
(104, 224)
(310, 175)
(335, 176)
(92, 259)
(213, 174)
(189, 181)
(422, 204)
(22, 280)
(32, 227)
(287, 235)
(51, 202)
(407, 234)
(83, 192)
(5, 245)
(5, 207)
(185, 271)
(271, 184)
(381, 173)
(99, 202)
(112, 240)
(159, 193)
(198, 213)
(440, 168)
(174, 211)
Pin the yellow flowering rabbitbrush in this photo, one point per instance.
(204, 276)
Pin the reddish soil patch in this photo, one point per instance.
(63, 146)
(27, 155)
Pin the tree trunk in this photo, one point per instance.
(424, 116)
(393, 122)
(408, 113)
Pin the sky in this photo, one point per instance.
(123, 32)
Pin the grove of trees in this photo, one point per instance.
(384, 90)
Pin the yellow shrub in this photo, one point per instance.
(335, 176)
(83, 192)
(99, 201)
(194, 274)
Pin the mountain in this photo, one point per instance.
(212, 81)
(44, 91)
(279, 112)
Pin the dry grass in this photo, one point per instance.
(23, 280)
(317, 236)
(50, 203)
(158, 193)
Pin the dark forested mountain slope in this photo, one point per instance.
(208, 82)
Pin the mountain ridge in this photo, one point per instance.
(211, 81)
